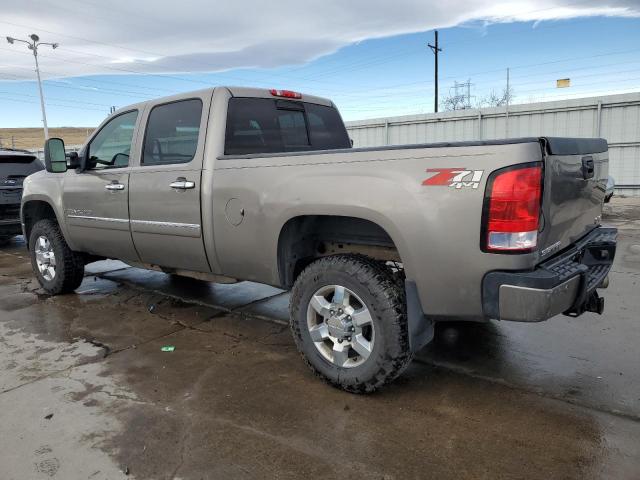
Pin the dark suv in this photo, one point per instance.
(15, 166)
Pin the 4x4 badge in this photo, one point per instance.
(454, 177)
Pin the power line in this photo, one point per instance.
(288, 76)
(355, 65)
(54, 98)
(52, 104)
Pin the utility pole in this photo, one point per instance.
(435, 49)
(33, 46)
(506, 112)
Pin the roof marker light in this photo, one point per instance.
(285, 93)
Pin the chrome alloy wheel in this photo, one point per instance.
(340, 326)
(45, 258)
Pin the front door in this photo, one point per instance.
(96, 200)
(164, 197)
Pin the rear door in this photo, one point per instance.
(576, 171)
(96, 200)
(165, 187)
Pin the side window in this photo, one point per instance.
(172, 133)
(111, 147)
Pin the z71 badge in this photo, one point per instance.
(454, 177)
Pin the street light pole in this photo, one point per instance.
(44, 113)
(33, 46)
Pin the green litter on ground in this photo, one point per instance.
(168, 348)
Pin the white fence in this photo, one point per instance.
(39, 152)
(614, 117)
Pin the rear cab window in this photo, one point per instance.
(264, 125)
(16, 166)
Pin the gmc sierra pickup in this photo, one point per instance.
(376, 244)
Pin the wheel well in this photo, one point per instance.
(304, 239)
(33, 211)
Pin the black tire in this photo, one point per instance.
(4, 240)
(375, 285)
(69, 264)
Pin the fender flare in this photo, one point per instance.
(51, 204)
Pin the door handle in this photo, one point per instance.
(182, 183)
(114, 186)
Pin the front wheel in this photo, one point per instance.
(58, 268)
(349, 321)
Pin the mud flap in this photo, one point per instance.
(420, 328)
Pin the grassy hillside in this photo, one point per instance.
(34, 137)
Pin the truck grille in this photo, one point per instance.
(9, 212)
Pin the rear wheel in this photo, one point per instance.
(58, 268)
(348, 318)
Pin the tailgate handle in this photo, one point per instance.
(587, 168)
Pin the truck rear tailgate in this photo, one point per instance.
(575, 179)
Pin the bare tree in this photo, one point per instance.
(453, 102)
(459, 97)
(459, 101)
(495, 99)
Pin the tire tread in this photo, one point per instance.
(69, 268)
(377, 278)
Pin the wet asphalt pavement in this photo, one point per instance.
(87, 393)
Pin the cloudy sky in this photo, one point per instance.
(369, 55)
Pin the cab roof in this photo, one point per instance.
(235, 92)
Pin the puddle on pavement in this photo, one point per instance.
(234, 399)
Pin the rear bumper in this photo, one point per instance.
(566, 283)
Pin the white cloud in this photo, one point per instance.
(160, 36)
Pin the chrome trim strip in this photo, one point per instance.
(155, 227)
(100, 219)
(193, 226)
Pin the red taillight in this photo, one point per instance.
(285, 93)
(512, 211)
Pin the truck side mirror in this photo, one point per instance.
(55, 160)
(85, 159)
(74, 160)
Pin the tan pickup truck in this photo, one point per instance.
(377, 244)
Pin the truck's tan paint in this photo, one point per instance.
(244, 201)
